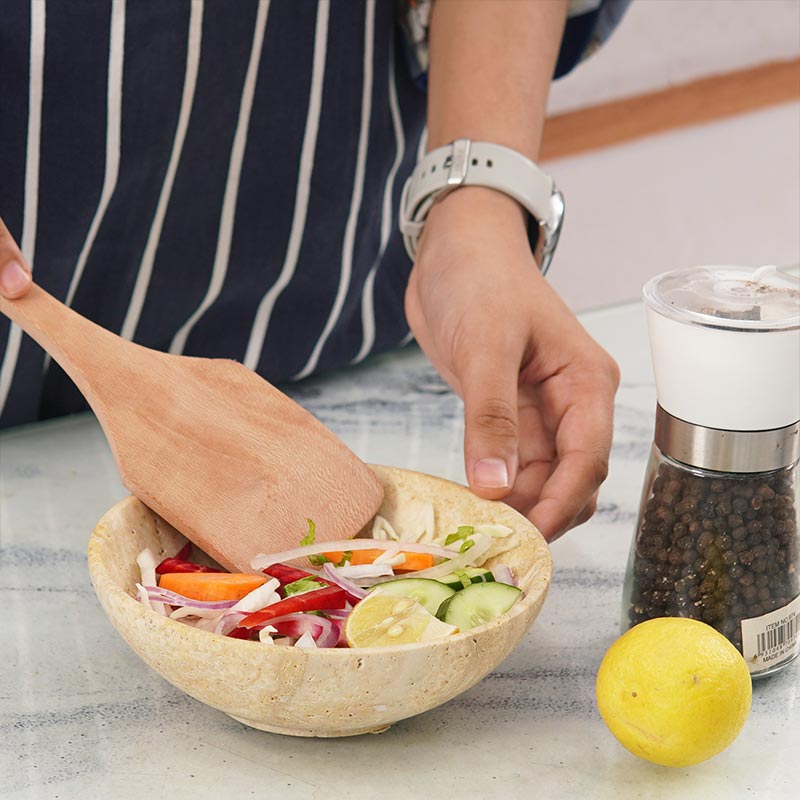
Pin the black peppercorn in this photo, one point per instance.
(717, 547)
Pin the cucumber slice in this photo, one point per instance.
(469, 575)
(427, 592)
(478, 603)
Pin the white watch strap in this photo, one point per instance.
(466, 163)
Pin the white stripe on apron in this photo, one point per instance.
(148, 257)
(387, 219)
(258, 333)
(116, 55)
(358, 191)
(30, 211)
(228, 214)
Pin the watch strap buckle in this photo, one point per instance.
(458, 165)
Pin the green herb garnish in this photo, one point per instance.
(461, 534)
(303, 585)
(309, 538)
(462, 576)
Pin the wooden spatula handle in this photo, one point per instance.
(72, 340)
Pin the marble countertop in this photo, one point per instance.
(82, 717)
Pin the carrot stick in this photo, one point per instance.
(413, 562)
(211, 586)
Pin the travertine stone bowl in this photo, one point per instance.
(325, 692)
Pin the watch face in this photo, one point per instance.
(549, 234)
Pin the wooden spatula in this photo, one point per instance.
(222, 455)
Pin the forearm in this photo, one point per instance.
(491, 63)
(537, 391)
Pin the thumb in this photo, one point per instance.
(15, 277)
(489, 390)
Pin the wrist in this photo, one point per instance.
(479, 210)
(446, 173)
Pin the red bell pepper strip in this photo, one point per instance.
(286, 574)
(184, 553)
(180, 563)
(318, 600)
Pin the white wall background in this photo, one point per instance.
(663, 42)
(727, 192)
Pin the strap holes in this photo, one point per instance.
(474, 162)
(433, 169)
(489, 163)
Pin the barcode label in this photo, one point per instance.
(777, 636)
(773, 638)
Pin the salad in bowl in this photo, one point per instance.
(330, 639)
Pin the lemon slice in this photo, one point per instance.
(382, 619)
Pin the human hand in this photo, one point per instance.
(15, 276)
(538, 391)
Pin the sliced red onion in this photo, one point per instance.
(503, 574)
(338, 613)
(175, 599)
(229, 620)
(329, 572)
(325, 631)
(143, 597)
(263, 560)
(306, 640)
(147, 565)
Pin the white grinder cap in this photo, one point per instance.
(725, 344)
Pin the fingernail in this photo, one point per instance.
(491, 473)
(13, 278)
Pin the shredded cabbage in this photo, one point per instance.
(306, 640)
(147, 565)
(264, 634)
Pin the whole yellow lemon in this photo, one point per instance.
(674, 691)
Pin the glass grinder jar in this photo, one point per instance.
(717, 536)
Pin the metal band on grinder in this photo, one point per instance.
(726, 451)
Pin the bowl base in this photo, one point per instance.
(309, 732)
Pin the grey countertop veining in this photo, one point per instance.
(82, 717)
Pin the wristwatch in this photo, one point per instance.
(467, 163)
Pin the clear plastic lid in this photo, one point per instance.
(709, 367)
(762, 299)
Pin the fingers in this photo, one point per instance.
(528, 486)
(569, 496)
(536, 454)
(491, 419)
(481, 363)
(15, 277)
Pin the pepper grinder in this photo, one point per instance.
(717, 534)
